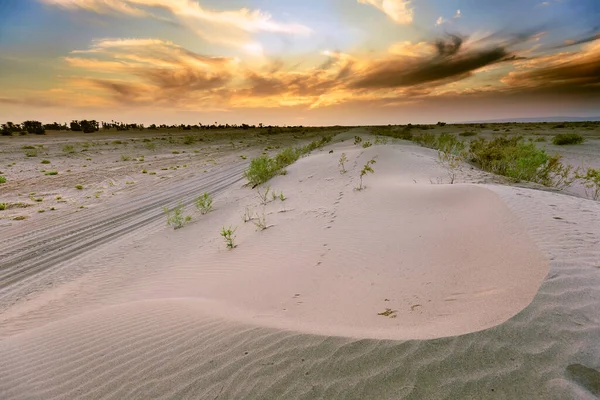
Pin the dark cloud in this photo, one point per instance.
(582, 40)
(401, 72)
(579, 74)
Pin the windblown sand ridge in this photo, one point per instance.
(181, 317)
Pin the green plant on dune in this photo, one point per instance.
(357, 140)
(591, 182)
(343, 160)
(366, 169)
(227, 234)
(2, 179)
(204, 203)
(260, 221)
(264, 195)
(175, 216)
(261, 170)
(450, 159)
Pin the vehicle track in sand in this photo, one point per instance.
(32, 252)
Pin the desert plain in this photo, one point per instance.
(419, 278)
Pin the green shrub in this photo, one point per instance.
(261, 170)
(79, 187)
(367, 144)
(3, 206)
(448, 143)
(204, 203)
(189, 139)
(175, 217)
(287, 157)
(568, 138)
(68, 148)
(467, 134)
(45, 162)
(591, 183)
(264, 167)
(357, 140)
(511, 157)
(31, 153)
(227, 234)
(28, 147)
(2, 179)
(425, 139)
(51, 173)
(366, 169)
(125, 157)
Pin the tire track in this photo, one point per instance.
(30, 253)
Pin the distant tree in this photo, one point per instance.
(34, 127)
(89, 126)
(75, 126)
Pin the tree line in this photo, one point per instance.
(90, 126)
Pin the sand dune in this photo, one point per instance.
(294, 310)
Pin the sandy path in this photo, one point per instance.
(26, 254)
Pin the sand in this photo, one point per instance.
(406, 289)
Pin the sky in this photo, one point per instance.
(298, 62)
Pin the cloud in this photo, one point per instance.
(227, 27)
(573, 72)
(400, 11)
(450, 61)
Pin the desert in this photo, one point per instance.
(331, 273)
(299, 200)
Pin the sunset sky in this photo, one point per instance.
(309, 62)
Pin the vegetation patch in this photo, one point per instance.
(204, 203)
(567, 138)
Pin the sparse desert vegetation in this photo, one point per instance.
(204, 203)
(228, 236)
(568, 138)
(367, 168)
(175, 217)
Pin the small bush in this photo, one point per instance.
(287, 157)
(467, 134)
(511, 157)
(125, 157)
(261, 170)
(343, 160)
(79, 187)
(3, 206)
(175, 217)
(189, 139)
(68, 148)
(150, 146)
(227, 234)
(2, 179)
(28, 147)
(366, 169)
(367, 144)
(204, 203)
(45, 162)
(51, 173)
(357, 140)
(568, 138)
(31, 153)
